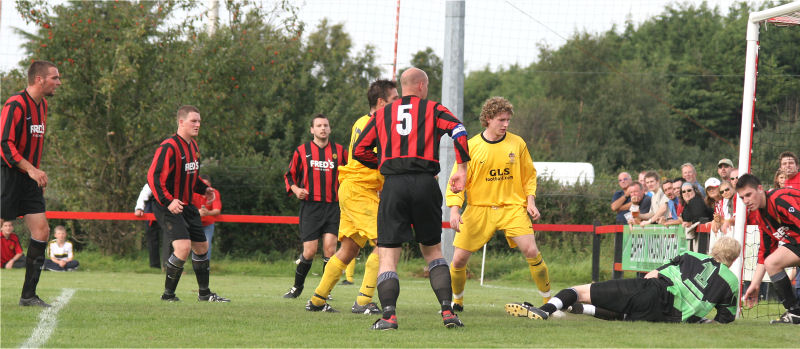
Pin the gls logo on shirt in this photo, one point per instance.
(321, 164)
(37, 130)
(191, 166)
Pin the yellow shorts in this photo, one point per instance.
(481, 222)
(359, 213)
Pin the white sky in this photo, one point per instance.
(497, 32)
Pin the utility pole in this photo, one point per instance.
(453, 99)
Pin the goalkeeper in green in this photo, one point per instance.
(683, 290)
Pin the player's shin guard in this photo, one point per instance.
(350, 271)
(458, 278)
(783, 287)
(563, 299)
(201, 268)
(302, 271)
(540, 275)
(440, 282)
(33, 267)
(370, 280)
(330, 277)
(174, 271)
(388, 291)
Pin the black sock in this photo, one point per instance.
(325, 263)
(301, 272)
(201, 267)
(174, 271)
(783, 287)
(33, 267)
(388, 291)
(440, 282)
(567, 297)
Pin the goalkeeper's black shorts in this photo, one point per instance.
(638, 299)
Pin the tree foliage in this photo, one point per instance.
(647, 96)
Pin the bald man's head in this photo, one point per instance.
(414, 82)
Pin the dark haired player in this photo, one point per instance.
(313, 178)
(777, 213)
(358, 204)
(22, 126)
(173, 178)
(407, 134)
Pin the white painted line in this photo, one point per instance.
(48, 321)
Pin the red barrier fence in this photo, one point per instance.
(231, 218)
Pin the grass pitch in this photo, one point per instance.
(122, 309)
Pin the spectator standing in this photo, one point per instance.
(620, 201)
(407, 134)
(658, 199)
(641, 179)
(734, 177)
(313, 178)
(209, 210)
(144, 204)
(639, 202)
(789, 166)
(11, 255)
(689, 173)
(724, 168)
(62, 257)
(694, 211)
(22, 128)
(779, 181)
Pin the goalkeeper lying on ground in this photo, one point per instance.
(683, 290)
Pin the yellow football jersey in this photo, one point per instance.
(499, 173)
(355, 171)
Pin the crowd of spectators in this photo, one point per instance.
(684, 201)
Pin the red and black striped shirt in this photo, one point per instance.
(22, 126)
(779, 221)
(316, 170)
(407, 134)
(173, 173)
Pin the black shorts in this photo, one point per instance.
(182, 226)
(21, 195)
(795, 248)
(317, 218)
(638, 299)
(406, 200)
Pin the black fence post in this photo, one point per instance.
(617, 274)
(595, 253)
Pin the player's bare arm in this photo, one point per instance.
(455, 218)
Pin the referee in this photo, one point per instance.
(407, 134)
(22, 126)
(173, 178)
(312, 178)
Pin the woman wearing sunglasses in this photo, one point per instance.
(695, 211)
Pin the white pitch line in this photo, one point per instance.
(48, 321)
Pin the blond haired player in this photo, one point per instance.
(501, 193)
(358, 203)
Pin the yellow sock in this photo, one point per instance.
(540, 276)
(351, 269)
(333, 271)
(370, 280)
(458, 278)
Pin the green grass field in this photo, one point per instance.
(122, 309)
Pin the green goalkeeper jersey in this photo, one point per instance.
(698, 284)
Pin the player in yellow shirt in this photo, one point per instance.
(358, 203)
(501, 194)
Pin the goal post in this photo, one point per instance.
(784, 15)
